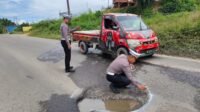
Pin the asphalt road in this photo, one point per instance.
(32, 78)
(173, 90)
(28, 84)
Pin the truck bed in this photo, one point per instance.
(89, 32)
(88, 36)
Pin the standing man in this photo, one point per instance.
(66, 42)
(120, 75)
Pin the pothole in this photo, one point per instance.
(103, 100)
(91, 105)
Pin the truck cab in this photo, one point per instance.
(120, 33)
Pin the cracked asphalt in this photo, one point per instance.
(32, 78)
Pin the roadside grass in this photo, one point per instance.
(173, 22)
(46, 29)
(88, 21)
(179, 33)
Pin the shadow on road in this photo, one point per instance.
(59, 103)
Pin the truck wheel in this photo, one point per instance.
(83, 47)
(122, 50)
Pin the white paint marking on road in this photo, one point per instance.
(77, 93)
(143, 108)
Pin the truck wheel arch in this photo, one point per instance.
(121, 49)
(83, 47)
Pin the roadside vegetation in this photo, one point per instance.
(3, 23)
(46, 29)
(176, 22)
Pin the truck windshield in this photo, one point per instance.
(132, 23)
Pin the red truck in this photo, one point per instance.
(120, 33)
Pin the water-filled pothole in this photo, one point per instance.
(103, 100)
(93, 105)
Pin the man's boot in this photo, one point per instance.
(114, 89)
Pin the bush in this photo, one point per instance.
(134, 10)
(3, 23)
(19, 28)
(1, 29)
(148, 12)
(46, 29)
(184, 43)
(88, 21)
(172, 6)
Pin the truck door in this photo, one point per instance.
(108, 33)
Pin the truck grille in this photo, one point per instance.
(148, 51)
(148, 42)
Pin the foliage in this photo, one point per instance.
(171, 6)
(88, 20)
(3, 23)
(144, 3)
(1, 28)
(179, 33)
(19, 27)
(46, 29)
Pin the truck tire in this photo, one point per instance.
(122, 50)
(83, 47)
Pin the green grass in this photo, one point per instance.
(179, 33)
(88, 21)
(50, 28)
(46, 29)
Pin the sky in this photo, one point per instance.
(35, 10)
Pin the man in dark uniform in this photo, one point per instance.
(119, 73)
(66, 42)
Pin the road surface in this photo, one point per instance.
(32, 78)
(28, 84)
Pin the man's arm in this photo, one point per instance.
(127, 71)
(74, 29)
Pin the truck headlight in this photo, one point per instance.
(156, 39)
(133, 43)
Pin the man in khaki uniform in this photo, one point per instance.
(66, 42)
(120, 75)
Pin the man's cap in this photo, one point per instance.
(65, 16)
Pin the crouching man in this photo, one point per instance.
(119, 73)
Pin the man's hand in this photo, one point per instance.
(141, 87)
(69, 46)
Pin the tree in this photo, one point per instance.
(3, 23)
(144, 3)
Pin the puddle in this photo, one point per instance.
(121, 105)
(108, 105)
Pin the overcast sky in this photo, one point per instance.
(34, 10)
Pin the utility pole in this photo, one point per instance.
(108, 3)
(68, 8)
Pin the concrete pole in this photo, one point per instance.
(68, 8)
